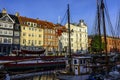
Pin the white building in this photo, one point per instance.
(9, 32)
(79, 37)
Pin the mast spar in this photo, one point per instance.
(69, 42)
(104, 31)
(99, 30)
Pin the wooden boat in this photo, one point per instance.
(25, 51)
(33, 66)
(19, 64)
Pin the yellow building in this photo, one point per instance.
(37, 33)
(31, 33)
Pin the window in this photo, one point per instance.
(28, 23)
(71, 45)
(75, 61)
(1, 24)
(35, 42)
(29, 35)
(5, 40)
(24, 41)
(16, 41)
(29, 42)
(5, 25)
(10, 32)
(80, 35)
(23, 28)
(9, 41)
(71, 39)
(39, 35)
(10, 26)
(24, 34)
(32, 42)
(32, 29)
(0, 40)
(16, 33)
(29, 28)
(6, 19)
(80, 30)
(80, 61)
(31, 24)
(0, 31)
(5, 32)
(16, 27)
(84, 61)
(39, 42)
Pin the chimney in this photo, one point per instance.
(37, 18)
(4, 11)
(17, 14)
(81, 22)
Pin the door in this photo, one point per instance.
(76, 70)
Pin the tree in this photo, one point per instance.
(95, 44)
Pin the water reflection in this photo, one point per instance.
(42, 77)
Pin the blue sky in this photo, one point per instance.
(50, 10)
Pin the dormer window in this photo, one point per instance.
(31, 24)
(35, 25)
(28, 23)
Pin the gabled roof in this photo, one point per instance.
(60, 27)
(40, 23)
(13, 17)
(9, 18)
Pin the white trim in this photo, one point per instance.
(9, 18)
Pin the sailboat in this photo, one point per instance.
(105, 61)
(102, 61)
(75, 65)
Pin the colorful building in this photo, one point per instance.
(9, 32)
(113, 43)
(31, 33)
(36, 33)
(79, 37)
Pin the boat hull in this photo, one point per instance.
(33, 67)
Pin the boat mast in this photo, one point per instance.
(99, 30)
(69, 42)
(104, 31)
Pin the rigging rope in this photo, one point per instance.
(64, 17)
(110, 27)
(118, 25)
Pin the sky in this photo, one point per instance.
(54, 10)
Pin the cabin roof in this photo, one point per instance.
(82, 57)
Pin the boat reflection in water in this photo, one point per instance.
(42, 77)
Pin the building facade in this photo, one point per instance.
(9, 32)
(50, 37)
(36, 33)
(113, 44)
(31, 33)
(79, 37)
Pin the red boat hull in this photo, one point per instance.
(28, 52)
